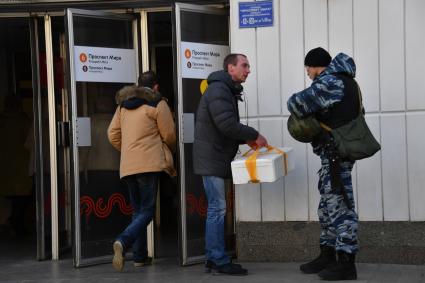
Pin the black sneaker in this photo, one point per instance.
(230, 269)
(146, 261)
(209, 265)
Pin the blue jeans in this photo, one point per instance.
(142, 189)
(214, 229)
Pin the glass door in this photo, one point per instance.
(103, 58)
(201, 43)
(54, 150)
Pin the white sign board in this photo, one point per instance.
(199, 60)
(98, 64)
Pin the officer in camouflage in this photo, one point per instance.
(332, 99)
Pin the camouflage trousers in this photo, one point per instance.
(338, 222)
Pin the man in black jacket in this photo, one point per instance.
(218, 133)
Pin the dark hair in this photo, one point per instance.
(232, 59)
(148, 79)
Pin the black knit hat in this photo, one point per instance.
(317, 57)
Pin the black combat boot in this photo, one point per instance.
(326, 258)
(345, 269)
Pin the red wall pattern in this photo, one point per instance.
(200, 205)
(89, 206)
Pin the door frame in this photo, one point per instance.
(38, 149)
(52, 137)
(75, 178)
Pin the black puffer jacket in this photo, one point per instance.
(218, 131)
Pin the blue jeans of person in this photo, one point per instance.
(215, 246)
(142, 190)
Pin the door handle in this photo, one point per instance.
(188, 125)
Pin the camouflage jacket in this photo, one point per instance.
(325, 90)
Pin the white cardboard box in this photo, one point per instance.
(270, 166)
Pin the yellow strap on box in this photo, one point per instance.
(285, 157)
(251, 162)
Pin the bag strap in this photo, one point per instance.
(359, 92)
(360, 98)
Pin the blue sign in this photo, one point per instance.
(255, 14)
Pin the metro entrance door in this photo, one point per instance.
(103, 58)
(201, 43)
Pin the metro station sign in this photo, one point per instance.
(98, 64)
(255, 14)
(199, 59)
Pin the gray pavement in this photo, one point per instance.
(167, 270)
(17, 264)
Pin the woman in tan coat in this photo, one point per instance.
(143, 130)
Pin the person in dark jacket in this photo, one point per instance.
(218, 134)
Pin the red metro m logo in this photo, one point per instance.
(83, 57)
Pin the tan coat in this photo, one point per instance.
(145, 136)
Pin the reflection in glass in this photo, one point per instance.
(204, 28)
(101, 32)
